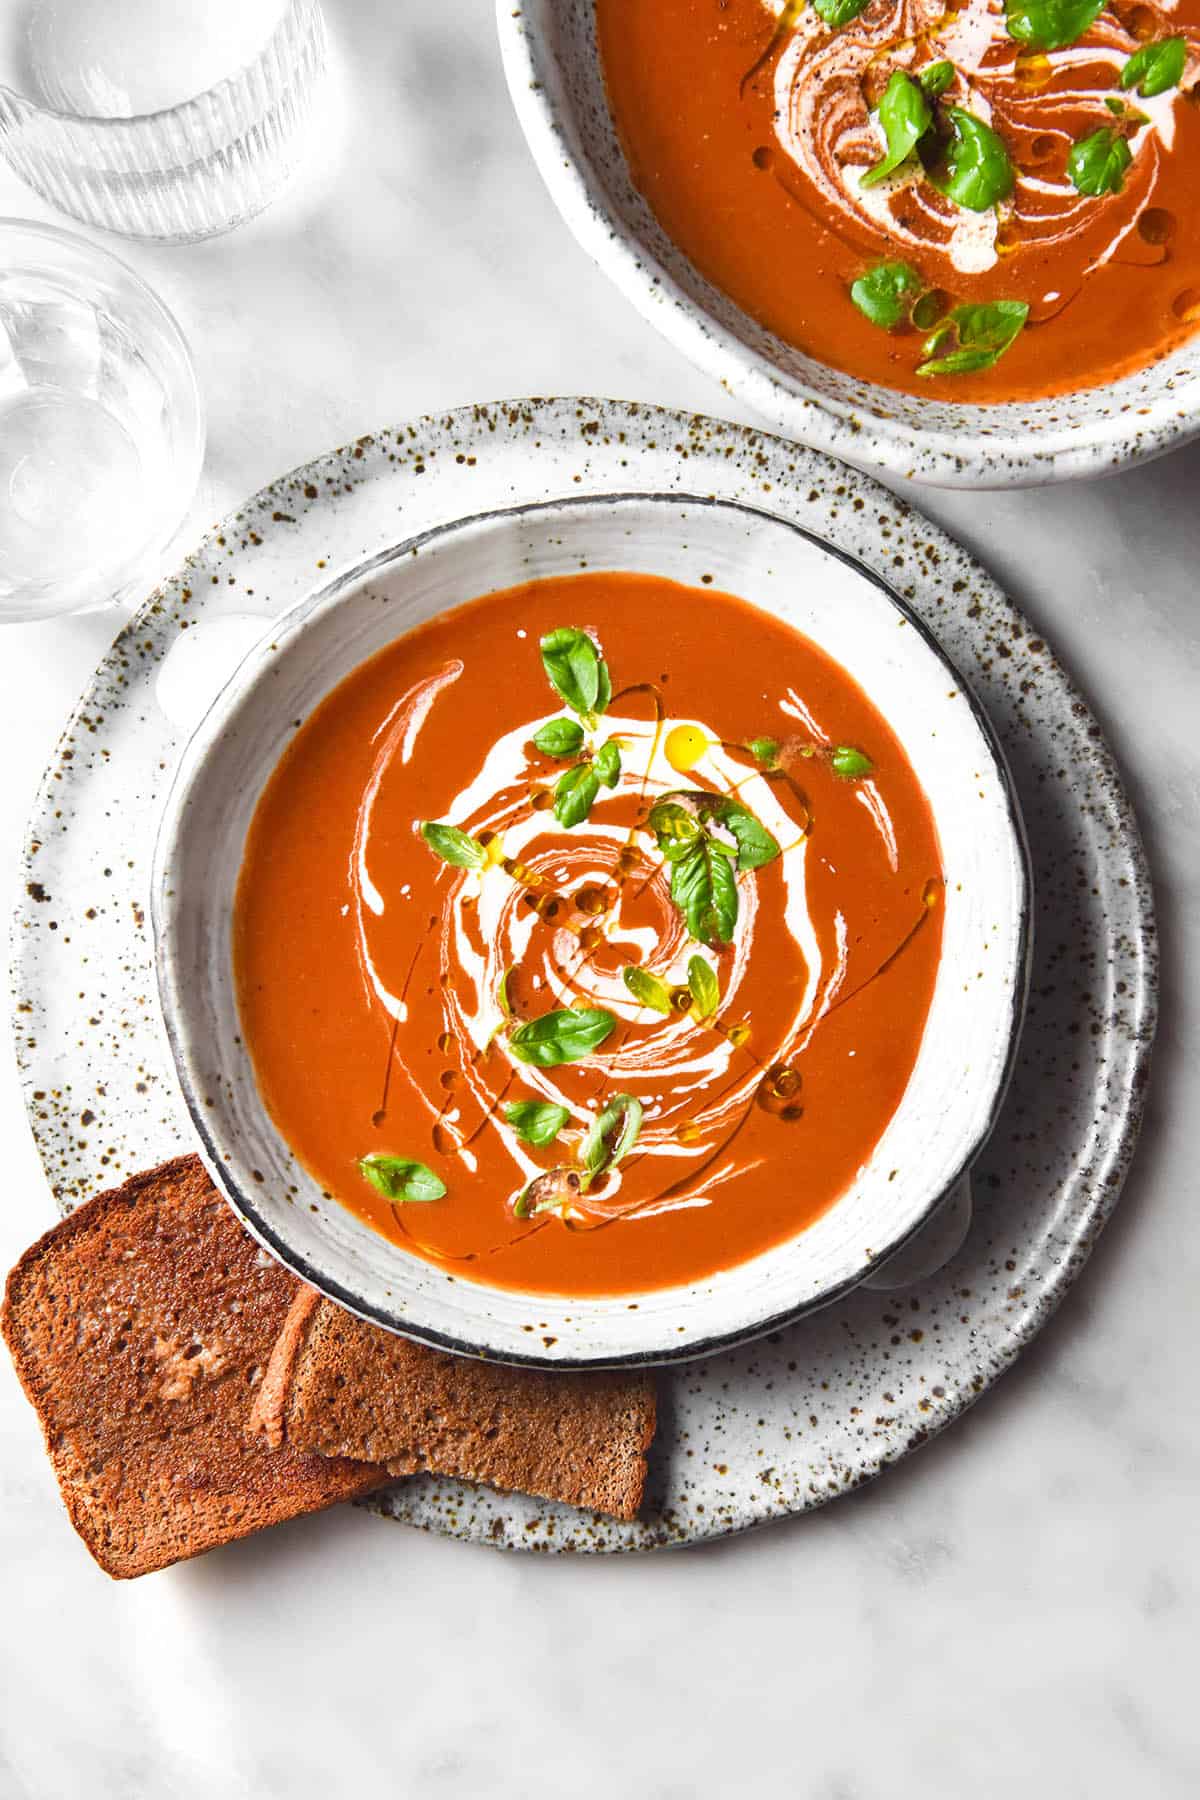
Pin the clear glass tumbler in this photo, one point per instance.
(161, 119)
(101, 425)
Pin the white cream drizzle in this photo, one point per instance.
(685, 1057)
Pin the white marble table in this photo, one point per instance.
(1016, 1608)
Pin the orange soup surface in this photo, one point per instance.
(585, 935)
(978, 200)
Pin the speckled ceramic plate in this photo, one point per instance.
(805, 1414)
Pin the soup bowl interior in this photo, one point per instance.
(966, 1050)
(557, 85)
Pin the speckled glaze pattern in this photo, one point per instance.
(557, 87)
(803, 1415)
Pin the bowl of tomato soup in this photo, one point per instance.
(958, 243)
(592, 933)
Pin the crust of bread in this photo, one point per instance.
(341, 1387)
(141, 1326)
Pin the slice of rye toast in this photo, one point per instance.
(140, 1326)
(341, 1387)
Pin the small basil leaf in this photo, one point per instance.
(704, 888)
(560, 737)
(676, 827)
(1155, 67)
(837, 13)
(764, 749)
(755, 844)
(851, 764)
(647, 989)
(1097, 164)
(929, 309)
(1050, 24)
(983, 333)
(401, 1178)
(575, 794)
(704, 986)
(936, 78)
(980, 171)
(550, 1192)
(611, 1136)
(454, 846)
(608, 763)
(560, 1037)
(573, 664)
(904, 115)
(536, 1121)
(885, 293)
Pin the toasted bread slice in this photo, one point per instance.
(140, 1327)
(341, 1387)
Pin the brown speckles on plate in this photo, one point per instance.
(821, 1407)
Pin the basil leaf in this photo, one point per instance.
(883, 294)
(704, 986)
(536, 1121)
(1050, 24)
(676, 827)
(647, 989)
(764, 749)
(552, 1191)
(1155, 67)
(611, 1136)
(560, 1037)
(905, 115)
(576, 670)
(1097, 164)
(983, 333)
(401, 1178)
(454, 846)
(704, 889)
(755, 844)
(936, 78)
(608, 763)
(575, 794)
(837, 13)
(560, 737)
(981, 172)
(851, 764)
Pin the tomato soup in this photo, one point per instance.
(585, 936)
(977, 200)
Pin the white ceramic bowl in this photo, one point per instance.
(557, 86)
(966, 1053)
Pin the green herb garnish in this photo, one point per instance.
(704, 888)
(560, 1037)
(980, 334)
(884, 295)
(764, 750)
(904, 115)
(577, 672)
(1155, 67)
(552, 1191)
(980, 170)
(647, 989)
(704, 987)
(1050, 24)
(1097, 164)
(560, 737)
(611, 1136)
(850, 764)
(936, 78)
(454, 846)
(608, 763)
(837, 13)
(575, 794)
(401, 1178)
(536, 1121)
